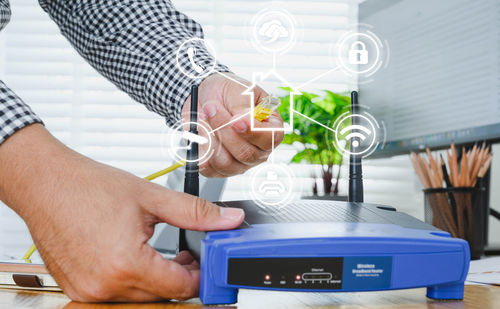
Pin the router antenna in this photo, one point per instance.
(355, 167)
(192, 176)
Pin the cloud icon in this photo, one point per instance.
(273, 30)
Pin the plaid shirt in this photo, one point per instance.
(132, 43)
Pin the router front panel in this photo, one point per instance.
(325, 260)
(288, 273)
(311, 273)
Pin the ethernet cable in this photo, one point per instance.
(266, 107)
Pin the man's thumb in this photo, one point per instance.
(194, 213)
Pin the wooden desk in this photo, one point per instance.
(481, 297)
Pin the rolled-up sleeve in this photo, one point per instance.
(133, 44)
(4, 13)
(14, 113)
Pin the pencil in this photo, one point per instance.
(454, 166)
(485, 167)
(465, 171)
(435, 171)
(426, 171)
(418, 170)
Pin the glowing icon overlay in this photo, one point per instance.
(182, 140)
(198, 68)
(355, 47)
(272, 186)
(358, 53)
(358, 139)
(193, 60)
(194, 138)
(273, 30)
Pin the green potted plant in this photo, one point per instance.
(311, 139)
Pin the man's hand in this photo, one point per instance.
(236, 148)
(91, 222)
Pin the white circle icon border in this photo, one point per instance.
(278, 204)
(263, 14)
(180, 128)
(210, 49)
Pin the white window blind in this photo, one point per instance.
(90, 115)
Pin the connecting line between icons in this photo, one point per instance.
(232, 79)
(318, 77)
(232, 121)
(272, 143)
(309, 118)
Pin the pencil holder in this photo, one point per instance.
(459, 211)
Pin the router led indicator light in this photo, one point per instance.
(267, 277)
(297, 277)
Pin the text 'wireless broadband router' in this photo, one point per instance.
(324, 246)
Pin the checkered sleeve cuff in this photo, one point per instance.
(14, 113)
(4, 13)
(134, 44)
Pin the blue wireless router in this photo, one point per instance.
(326, 246)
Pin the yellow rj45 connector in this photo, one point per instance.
(266, 107)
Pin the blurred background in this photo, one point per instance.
(90, 115)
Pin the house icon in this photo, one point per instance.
(273, 80)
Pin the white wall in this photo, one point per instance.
(494, 224)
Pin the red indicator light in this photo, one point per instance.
(297, 277)
(267, 277)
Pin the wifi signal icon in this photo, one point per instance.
(358, 134)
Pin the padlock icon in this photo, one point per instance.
(358, 53)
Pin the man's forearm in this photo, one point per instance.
(25, 158)
(134, 45)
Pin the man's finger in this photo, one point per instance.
(190, 212)
(184, 258)
(241, 150)
(164, 278)
(208, 171)
(263, 139)
(224, 163)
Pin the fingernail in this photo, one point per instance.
(210, 109)
(275, 122)
(233, 214)
(240, 126)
